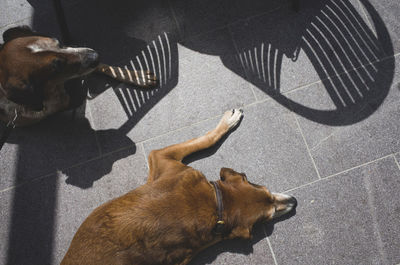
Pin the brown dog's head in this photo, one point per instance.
(247, 203)
(29, 62)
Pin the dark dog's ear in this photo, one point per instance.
(17, 32)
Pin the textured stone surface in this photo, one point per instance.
(205, 88)
(351, 218)
(211, 56)
(45, 214)
(385, 12)
(55, 144)
(254, 251)
(342, 136)
(267, 146)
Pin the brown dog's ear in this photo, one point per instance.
(230, 175)
(17, 32)
(225, 173)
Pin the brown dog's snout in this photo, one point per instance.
(292, 202)
(91, 58)
(283, 204)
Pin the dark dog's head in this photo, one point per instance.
(29, 62)
(248, 203)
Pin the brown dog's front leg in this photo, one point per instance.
(177, 152)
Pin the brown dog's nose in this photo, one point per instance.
(91, 58)
(292, 202)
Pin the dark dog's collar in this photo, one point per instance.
(220, 226)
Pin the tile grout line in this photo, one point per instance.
(305, 142)
(26, 182)
(395, 160)
(336, 174)
(144, 154)
(270, 248)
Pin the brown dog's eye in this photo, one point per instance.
(58, 64)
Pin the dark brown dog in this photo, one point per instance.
(177, 213)
(34, 68)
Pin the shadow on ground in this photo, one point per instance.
(331, 33)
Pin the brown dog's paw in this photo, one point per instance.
(231, 118)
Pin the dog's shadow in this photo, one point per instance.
(239, 246)
(62, 142)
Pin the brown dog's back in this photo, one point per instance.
(166, 220)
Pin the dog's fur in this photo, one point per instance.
(34, 68)
(173, 216)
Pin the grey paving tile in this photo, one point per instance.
(196, 17)
(119, 32)
(351, 218)
(267, 146)
(254, 251)
(41, 218)
(205, 88)
(45, 23)
(12, 11)
(117, 174)
(383, 15)
(54, 144)
(342, 135)
(218, 42)
(283, 50)
(27, 223)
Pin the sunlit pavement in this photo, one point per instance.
(320, 89)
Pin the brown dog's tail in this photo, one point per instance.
(144, 79)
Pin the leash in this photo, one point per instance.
(7, 131)
(219, 228)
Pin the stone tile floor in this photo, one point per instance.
(320, 90)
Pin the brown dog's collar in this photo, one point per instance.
(220, 226)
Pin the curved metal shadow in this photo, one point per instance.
(342, 48)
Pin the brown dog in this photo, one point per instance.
(177, 213)
(34, 68)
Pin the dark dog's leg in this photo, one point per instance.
(169, 158)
